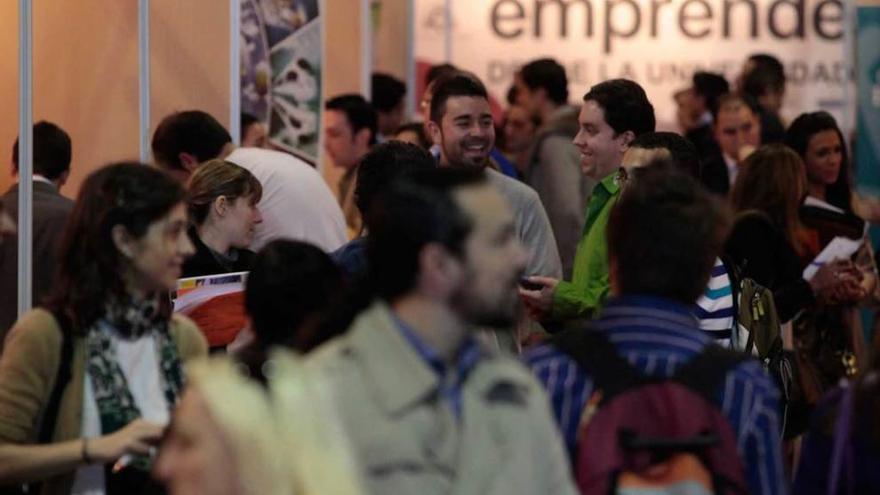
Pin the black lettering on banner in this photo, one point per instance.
(685, 15)
(563, 16)
(611, 30)
(497, 71)
(655, 9)
(497, 17)
(798, 7)
(823, 23)
(797, 72)
(577, 72)
(822, 74)
(627, 71)
(753, 22)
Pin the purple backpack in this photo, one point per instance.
(643, 434)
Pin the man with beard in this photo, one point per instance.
(427, 408)
(461, 124)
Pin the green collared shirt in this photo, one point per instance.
(583, 296)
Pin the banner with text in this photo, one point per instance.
(659, 43)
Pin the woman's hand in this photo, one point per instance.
(838, 282)
(539, 301)
(138, 437)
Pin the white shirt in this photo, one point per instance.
(296, 204)
(732, 168)
(140, 366)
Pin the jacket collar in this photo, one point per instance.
(401, 377)
(39, 185)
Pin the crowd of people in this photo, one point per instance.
(565, 301)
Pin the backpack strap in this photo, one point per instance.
(705, 372)
(62, 378)
(593, 352)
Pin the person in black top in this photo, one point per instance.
(763, 79)
(222, 201)
(832, 335)
(767, 235)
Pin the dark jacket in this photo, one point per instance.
(554, 172)
(51, 211)
(207, 262)
(763, 254)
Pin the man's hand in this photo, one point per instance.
(539, 301)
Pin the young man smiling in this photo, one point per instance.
(613, 114)
(461, 124)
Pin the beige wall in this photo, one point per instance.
(8, 87)
(342, 59)
(390, 50)
(86, 70)
(85, 76)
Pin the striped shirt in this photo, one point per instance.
(715, 307)
(656, 336)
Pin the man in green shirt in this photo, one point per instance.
(613, 114)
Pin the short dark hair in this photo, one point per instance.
(438, 71)
(625, 104)
(386, 92)
(711, 87)
(682, 152)
(289, 283)
(192, 131)
(385, 163)
(664, 234)
(452, 85)
(359, 112)
(546, 73)
(247, 119)
(412, 213)
(731, 99)
(768, 74)
(798, 136)
(52, 150)
(419, 129)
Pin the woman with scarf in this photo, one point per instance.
(87, 382)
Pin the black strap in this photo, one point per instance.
(613, 374)
(50, 415)
(705, 372)
(593, 352)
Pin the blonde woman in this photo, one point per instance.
(283, 440)
(222, 202)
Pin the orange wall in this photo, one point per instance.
(342, 59)
(85, 72)
(85, 69)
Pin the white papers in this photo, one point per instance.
(840, 248)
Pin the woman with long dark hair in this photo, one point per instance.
(91, 379)
(832, 336)
(766, 240)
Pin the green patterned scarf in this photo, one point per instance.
(131, 319)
